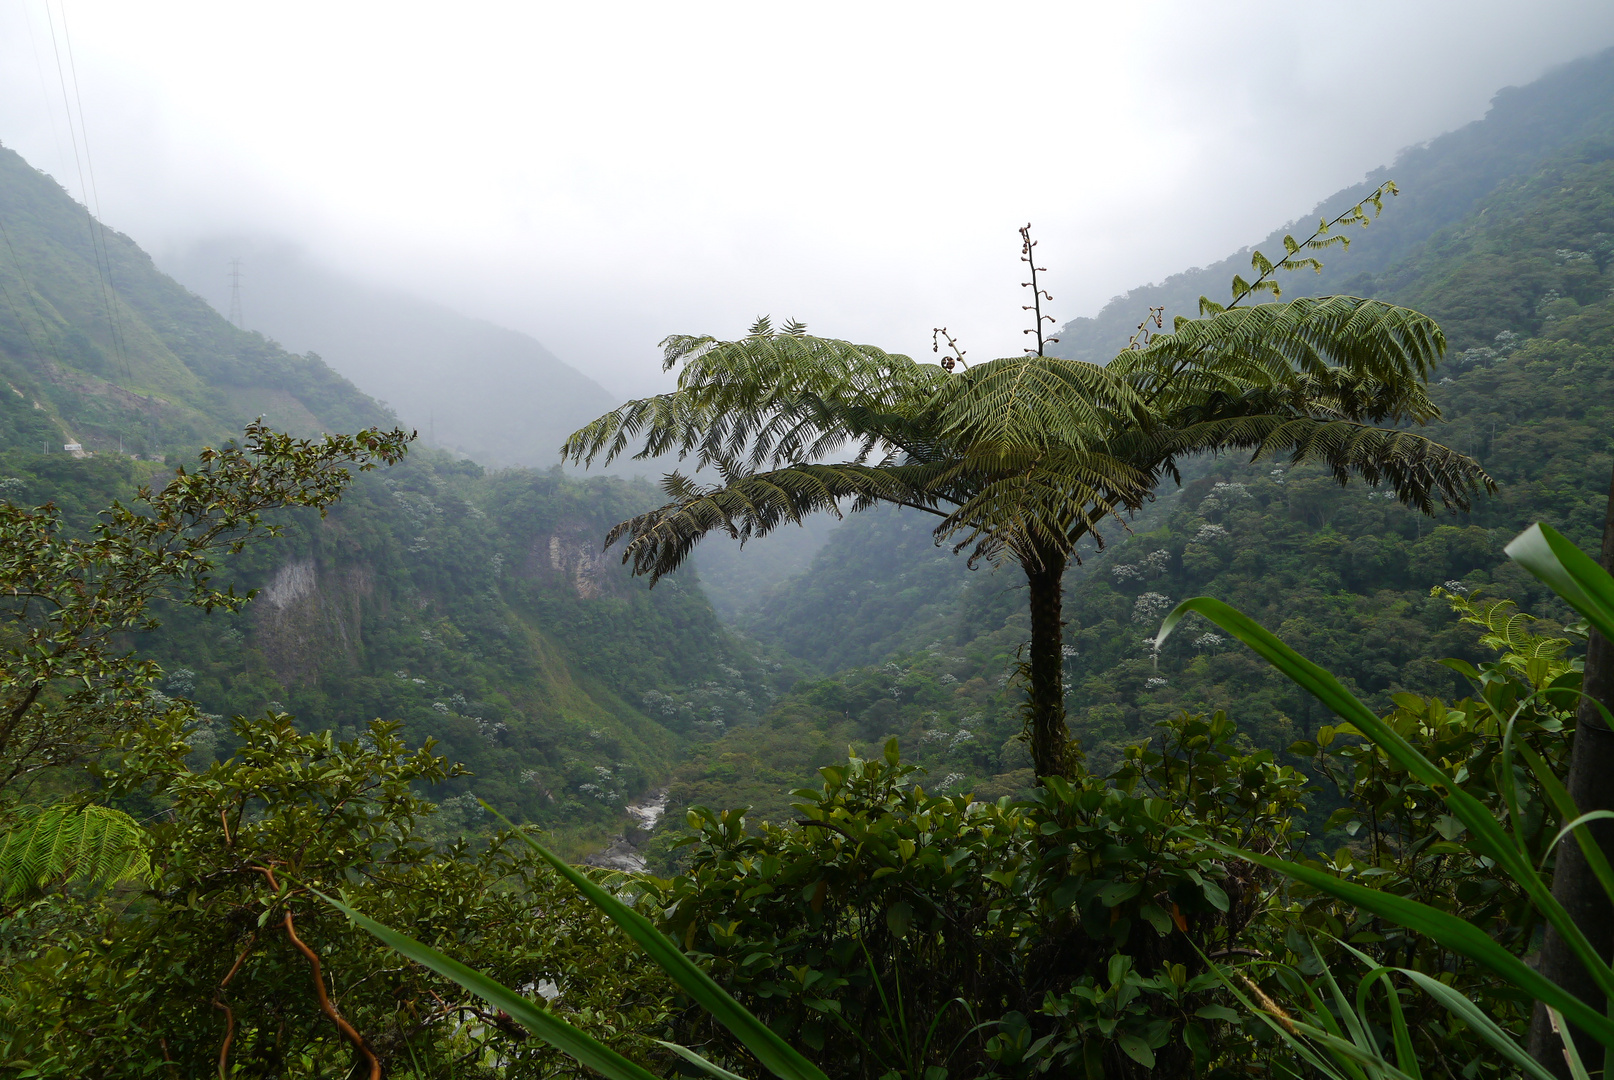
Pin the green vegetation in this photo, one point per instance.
(205, 971)
(861, 926)
(67, 690)
(137, 365)
(1193, 894)
(1342, 575)
(1445, 184)
(473, 607)
(1024, 458)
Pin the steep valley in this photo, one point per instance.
(477, 607)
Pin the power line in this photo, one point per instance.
(103, 257)
(44, 89)
(119, 339)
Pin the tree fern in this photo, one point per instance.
(1023, 458)
(45, 845)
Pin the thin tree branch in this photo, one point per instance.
(325, 1006)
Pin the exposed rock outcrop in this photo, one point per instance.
(303, 618)
(572, 553)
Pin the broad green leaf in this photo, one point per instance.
(1215, 894)
(1136, 1049)
(1571, 573)
(541, 1022)
(1216, 1012)
(1157, 918)
(1118, 892)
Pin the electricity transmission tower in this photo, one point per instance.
(235, 292)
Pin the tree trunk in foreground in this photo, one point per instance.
(1045, 696)
(1591, 785)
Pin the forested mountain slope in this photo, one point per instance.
(478, 609)
(482, 390)
(114, 353)
(475, 607)
(1522, 286)
(1442, 181)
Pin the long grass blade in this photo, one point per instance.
(1366, 1059)
(1444, 929)
(541, 1022)
(699, 1062)
(1475, 1017)
(1285, 1028)
(774, 1053)
(1577, 1067)
(1406, 1058)
(1489, 838)
(1356, 1061)
(1575, 827)
(1353, 1022)
(1567, 811)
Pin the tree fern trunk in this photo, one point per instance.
(1591, 785)
(1045, 698)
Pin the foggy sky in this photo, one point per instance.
(602, 175)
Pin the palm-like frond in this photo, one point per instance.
(750, 505)
(1419, 470)
(1037, 401)
(1027, 455)
(1319, 338)
(765, 400)
(61, 843)
(1027, 502)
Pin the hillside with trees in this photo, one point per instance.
(1442, 182)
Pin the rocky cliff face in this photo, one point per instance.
(306, 621)
(572, 554)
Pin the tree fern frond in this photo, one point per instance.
(1324, 237)
(767, 399)
(1036, 401)
(1270, 343)
(1420, 470)
(1026, 455)
(750, 505)
(58, 844)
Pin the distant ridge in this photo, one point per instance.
(493, 394)
(1441, 181)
